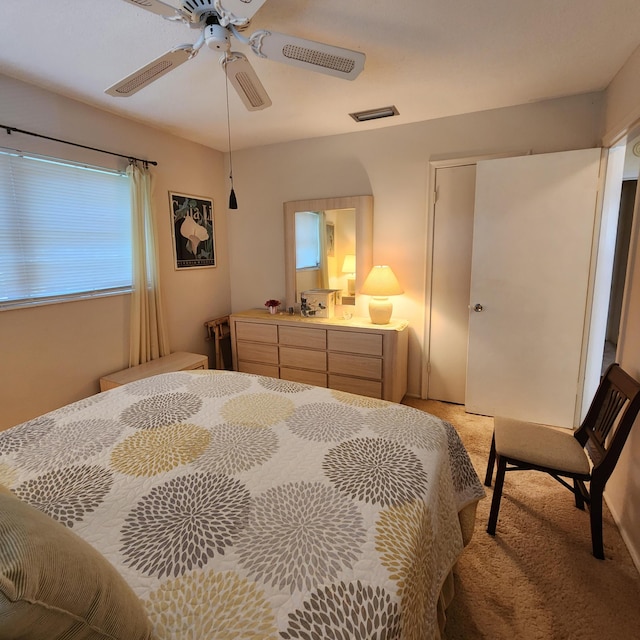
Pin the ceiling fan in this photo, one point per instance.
(218, 24)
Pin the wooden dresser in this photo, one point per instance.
(350, 355)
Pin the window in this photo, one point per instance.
(307, 240)
(65, 231)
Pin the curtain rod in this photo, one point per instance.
(10, 130)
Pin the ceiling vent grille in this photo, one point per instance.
(374, 114)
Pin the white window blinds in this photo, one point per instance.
(307, 239)
(65, 231)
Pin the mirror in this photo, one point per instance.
(346, 229)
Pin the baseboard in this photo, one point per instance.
(635, 553)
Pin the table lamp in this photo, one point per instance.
(381, 283)
(349, 267)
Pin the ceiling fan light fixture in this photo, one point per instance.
(217, 37)
(375, 114)
(218, 21)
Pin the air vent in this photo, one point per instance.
(374, 114)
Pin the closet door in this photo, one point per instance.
(532, 241)
(450, 282)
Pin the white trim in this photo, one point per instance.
(626, 538)
(588, 311)
(71, 297)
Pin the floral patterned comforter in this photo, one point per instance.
(240, 506)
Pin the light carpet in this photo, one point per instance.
(536, 579)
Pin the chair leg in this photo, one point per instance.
(595, 515)
(577, 492)
(497, 495)
(490, 462)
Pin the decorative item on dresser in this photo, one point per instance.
(380, 284)
(272, 304)
(178, 361)
(348, 355)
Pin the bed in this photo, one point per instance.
(211, 505)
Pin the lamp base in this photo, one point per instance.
(380, 310)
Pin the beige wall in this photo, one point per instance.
(622, 99)
(623, 489)
(55, 354)
(392, 165)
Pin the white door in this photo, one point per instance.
(451, 282)
(533, 229)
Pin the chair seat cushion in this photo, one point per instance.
(541, 445)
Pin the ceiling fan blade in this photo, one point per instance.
(315, 56)
(237, 12)
(245, 81)
(152, 71)
(158, 7)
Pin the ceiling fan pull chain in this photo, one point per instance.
(233, 202)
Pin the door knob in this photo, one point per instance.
(478, 308)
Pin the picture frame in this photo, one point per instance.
(192, 231)
(331, 239)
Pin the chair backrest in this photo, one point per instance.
(606, 426)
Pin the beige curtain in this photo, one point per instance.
(324, 262)
(148, 337)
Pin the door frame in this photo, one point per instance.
(436, 163)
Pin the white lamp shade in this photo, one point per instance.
(349, 264)
(381, 283)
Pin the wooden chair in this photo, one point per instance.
(219, 331)
(588, 454)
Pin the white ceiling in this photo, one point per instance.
(429, 58)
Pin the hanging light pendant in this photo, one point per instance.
(233, 202)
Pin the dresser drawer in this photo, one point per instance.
(258, 369)
(369, 388)
(306, 377)
(257, 352)
(303, 337)
(360, 366)
(303, 358)
(352, 342)
(257, 332)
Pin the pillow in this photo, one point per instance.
(53, 584)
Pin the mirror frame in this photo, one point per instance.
(363, 206)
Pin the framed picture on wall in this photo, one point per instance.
(192, 231)
(331, 239)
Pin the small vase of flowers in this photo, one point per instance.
(272, 305)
